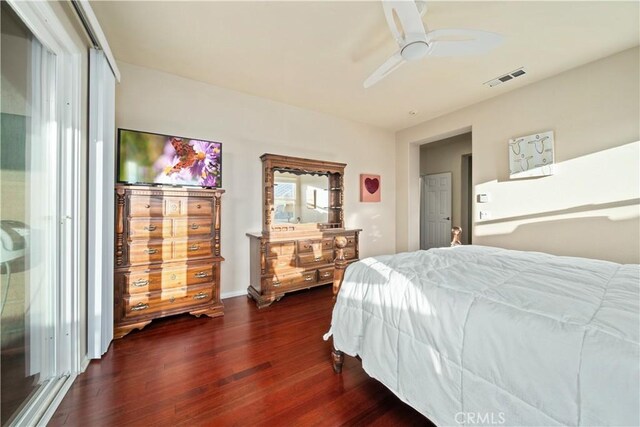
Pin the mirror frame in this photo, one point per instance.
(301, 166)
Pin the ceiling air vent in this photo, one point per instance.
(506, 77)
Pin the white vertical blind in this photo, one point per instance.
(101, 204)
(41, 212)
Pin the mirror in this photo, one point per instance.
(300, 198)
(301, 195)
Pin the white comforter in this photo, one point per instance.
(478, 335)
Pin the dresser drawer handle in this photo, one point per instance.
(318, 258)
(308, 279)
(200, 295)
(150, 228)
(140, 306)
(147, 206)
(198, 206)
(276, 284)
(172, 300)
(194, 226)
(201, 274)
(140, 283)
(194, 247)
(150, 251)
(327, 274)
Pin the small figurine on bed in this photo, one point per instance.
(456, 233)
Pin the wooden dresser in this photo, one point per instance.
(290, 263)
(302, 214)
(167, 254)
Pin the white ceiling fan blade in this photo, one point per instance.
(384, 70)
(404, 20)
(458, 42)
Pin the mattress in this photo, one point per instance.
(475, 335)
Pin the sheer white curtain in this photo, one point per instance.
(101, 204)
(41, 212)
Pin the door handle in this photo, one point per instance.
(447, 218)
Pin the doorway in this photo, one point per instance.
(453, 157)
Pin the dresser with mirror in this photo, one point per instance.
(301, 216)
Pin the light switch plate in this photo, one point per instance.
(483, 198)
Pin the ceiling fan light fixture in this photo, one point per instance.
(414, 50)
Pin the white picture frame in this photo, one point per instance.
(531, 155)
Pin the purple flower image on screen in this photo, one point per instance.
(209, 181)
(154, 158)
(199, 160)
(179, 177)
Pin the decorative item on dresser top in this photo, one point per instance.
(302, 214)
(167, 258)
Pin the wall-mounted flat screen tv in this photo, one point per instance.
(150, 158)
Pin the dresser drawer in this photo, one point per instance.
(311, 259)
(192, 227)
(306, 278)
(351, 240)
(349, 253)
(281, 248)
(149, 228)
(310, 246)
(199, 207)
(189, 249)
(281, 263)
(146, 206)
(143, 206)
(325, 274)
(158, 279)
(145, 252)
(283, 282)
(152, 304)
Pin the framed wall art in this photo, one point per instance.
(369, 188)
(531, 155)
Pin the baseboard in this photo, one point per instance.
(232, 294)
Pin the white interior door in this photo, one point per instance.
(435, 211)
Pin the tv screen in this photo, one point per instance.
(150, 158)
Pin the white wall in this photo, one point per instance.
(590, 206)
(249, 126)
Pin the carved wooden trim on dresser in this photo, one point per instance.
(167, 254)
(119, 225)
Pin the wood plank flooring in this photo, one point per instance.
(250, 367)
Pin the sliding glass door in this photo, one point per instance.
(31, 235)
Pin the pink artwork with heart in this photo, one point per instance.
(369, 188)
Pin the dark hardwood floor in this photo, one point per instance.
(250, 367)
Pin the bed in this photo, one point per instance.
(474, 335)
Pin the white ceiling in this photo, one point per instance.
(316, 54)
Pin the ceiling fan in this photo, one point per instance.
(405, 22)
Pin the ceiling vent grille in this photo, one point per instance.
(506, 77)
